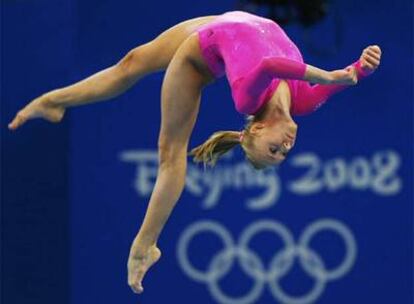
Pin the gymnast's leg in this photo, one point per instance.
(113, 81)
(181, 93)
(156, 55)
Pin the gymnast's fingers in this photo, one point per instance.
(367, 65)
(371, 53)
(376, 49)
(374, 62)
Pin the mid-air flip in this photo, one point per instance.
(269, 81)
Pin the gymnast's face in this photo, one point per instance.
(272, 141)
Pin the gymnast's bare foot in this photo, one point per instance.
(41, 107)
(140, 260)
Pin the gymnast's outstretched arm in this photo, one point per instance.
(311, 97)
(327, 82)
(277, 67)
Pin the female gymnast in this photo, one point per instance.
(269, 81)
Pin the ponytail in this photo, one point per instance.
(218, 144)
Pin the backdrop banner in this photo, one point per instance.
(333, 224)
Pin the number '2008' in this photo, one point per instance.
(378, 173)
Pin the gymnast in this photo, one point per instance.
(269, 82)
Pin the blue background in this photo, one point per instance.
(70, 201)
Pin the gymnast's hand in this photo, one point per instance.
(41, 107)
(370, 58)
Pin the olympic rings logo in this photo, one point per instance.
(281, 263)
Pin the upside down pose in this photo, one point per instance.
(269, 81)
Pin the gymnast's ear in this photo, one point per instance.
(256, 127)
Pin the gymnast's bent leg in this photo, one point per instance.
(113, 81)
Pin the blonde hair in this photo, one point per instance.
(221, 142)
(218, 144)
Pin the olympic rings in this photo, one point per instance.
(281, 263)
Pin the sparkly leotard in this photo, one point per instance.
(256, 54)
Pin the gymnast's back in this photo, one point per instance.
(235, 42)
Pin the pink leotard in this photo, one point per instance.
(255, 54)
